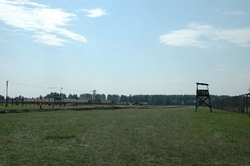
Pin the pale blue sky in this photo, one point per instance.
(124, 47)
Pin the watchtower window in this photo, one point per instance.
(202, 93)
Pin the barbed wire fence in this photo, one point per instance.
(19, 99)
(237, 104)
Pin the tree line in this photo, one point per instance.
(166, 99)
(123, 99)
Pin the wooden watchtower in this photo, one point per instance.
(202, 96)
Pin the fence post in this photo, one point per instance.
(248, 104)
(235, 104)
(245, 104)
(238, 104)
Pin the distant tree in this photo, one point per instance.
(74, 96)
(70, 96)
(162, 99)
(114, 98)
(52, 95)
(124, 98)
(100, 97)
(85, 96)
(109, 97)
(63, 96)
(1, 97)
(20, 97)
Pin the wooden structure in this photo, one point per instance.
(202, 96)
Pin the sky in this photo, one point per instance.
(124, 47)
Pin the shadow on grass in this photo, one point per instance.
(59, 137)
(100, 107)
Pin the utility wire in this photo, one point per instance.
(40, 87)
(31, 86)
(20, 84)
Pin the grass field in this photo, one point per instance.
(132, 136)
(36, 108)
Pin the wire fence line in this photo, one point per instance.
(238, 104)
(50, 101)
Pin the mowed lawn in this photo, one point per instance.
(134, 136)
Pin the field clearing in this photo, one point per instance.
(131, 136)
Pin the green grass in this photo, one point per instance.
(36, 108)
(132, 136)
